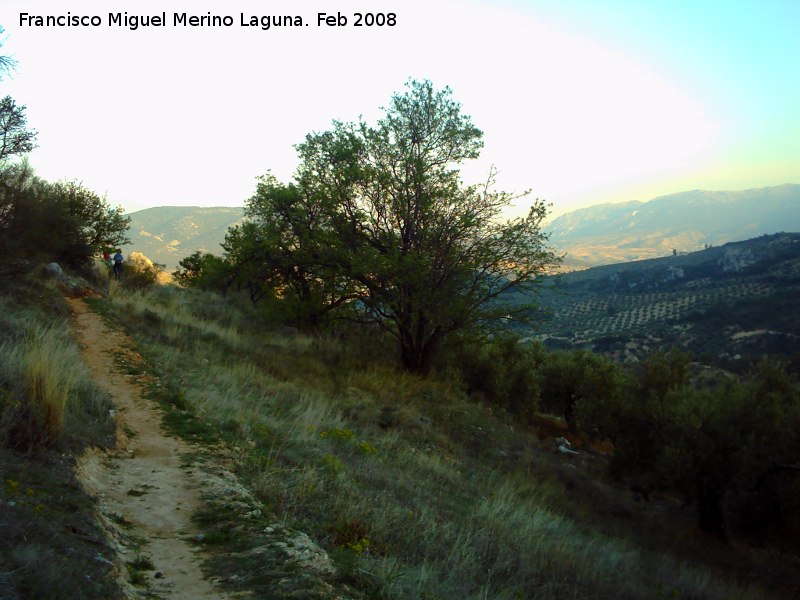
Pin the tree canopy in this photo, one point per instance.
(62, 221)
(15, 137)
(378, 223)
(40, 220)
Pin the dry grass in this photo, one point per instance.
(49, 410)
(49, 375)
(416, 491)
(47, 398)
(47, 380)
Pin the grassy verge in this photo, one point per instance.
(49, 411)
(412, 489)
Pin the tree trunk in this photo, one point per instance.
(418, 357)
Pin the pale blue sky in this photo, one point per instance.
(581, 101)
(742, 56)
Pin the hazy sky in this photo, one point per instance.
(581, 101)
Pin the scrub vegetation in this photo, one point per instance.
(451, 485)
(338, 360)
(49, 412)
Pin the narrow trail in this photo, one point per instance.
(141, 487)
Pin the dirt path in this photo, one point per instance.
(143, 492)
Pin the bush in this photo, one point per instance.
(732, 451)
(502, 372)
(581, 386)
(206, 272)
(62, 222)
(140, 272)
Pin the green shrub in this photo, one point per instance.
(731, 451)
(206, 272)
(580, 386)
(502, 372)
(63, 221)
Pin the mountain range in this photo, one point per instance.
(168, 234)
(597, 235)
(684, 222)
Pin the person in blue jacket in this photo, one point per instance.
(118, 264)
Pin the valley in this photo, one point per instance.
(732, 301)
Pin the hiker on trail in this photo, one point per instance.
(118, 264)
(107, 260)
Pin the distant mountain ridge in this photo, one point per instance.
(168, 234)
(593, 236)
(687, 221)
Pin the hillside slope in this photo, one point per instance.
(734, 300)
(687, 221)
(413, 488)
(167, 234)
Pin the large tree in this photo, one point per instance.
(290, 246)
(425, 254)
(39, 220)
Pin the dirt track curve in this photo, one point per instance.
(143, 493)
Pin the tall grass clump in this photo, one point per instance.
(50, 410)
(47, 398)
(41, 374)
(49, 381)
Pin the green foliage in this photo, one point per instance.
(61, 221)
(580, 386)
(205, 271)
(451, 500)
(378, 227)
(140, 563)
(288, 248)
(249, 260)
(42, 221)
(663, 373)
(731, 451)
(502, 372)
(15, 138)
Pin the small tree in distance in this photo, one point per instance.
(397, 238)
(15, 138)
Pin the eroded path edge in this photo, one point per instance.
(144, 493)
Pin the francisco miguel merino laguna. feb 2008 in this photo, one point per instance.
(264, 22)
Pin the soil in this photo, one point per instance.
(144, 492)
